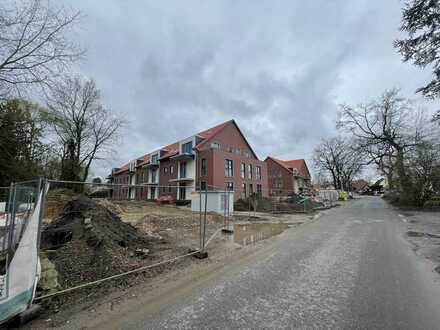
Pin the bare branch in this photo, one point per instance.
(34, 45)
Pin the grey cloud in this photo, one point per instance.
(279, 68)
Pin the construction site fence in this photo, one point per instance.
(94, 232)
(90, 236)
(20, 228)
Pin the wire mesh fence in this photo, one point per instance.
(93, 232)
(280, 201)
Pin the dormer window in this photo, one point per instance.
(187, 148)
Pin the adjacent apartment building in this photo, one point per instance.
(215, 159)
(287, 176)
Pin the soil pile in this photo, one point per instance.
(88, 242)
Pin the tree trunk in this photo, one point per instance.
(405, 185)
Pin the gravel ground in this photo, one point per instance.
(352, 269)
(222, 251)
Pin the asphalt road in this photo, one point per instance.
(351, 269)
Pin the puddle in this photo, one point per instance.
(246, 234)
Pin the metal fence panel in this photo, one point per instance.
(20, 247)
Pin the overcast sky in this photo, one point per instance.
(279, 68)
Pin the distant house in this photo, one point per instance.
(378, 186)
(287, 176)
(360, 185)
(219, 158)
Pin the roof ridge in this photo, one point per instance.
(219, 126)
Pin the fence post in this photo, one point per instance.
(204, 219)
(228, 208)
(224, 210)
(12, 211)
(200, 216)
(7, 209)
(42, 186)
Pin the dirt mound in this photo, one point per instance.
(88, 242)
(115, 208)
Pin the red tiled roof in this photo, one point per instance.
(209, 133)
(360, 184)
(173, 148)
(143, 159)
(299, 164)
(206, 134)
(295, 163)
(123, 168)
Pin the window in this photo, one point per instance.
(250, 171)
(203, 167)
(153, 176)
(170, 189)
(182, 193)
(228, 168)
(171, 169)
(154, 159)
(152, 192)
(243, 190)
(164, 189)
(259, 189)
(203, 186)
(215, 145)
(183, 170)
(243, 170)
(258, 172)
(251, 189)
(165, 170)
(229, 186)
(187, 148)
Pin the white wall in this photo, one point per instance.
(214, 203)
(327, 195)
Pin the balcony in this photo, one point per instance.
(152, 164)
(183, 156)
(186, 179)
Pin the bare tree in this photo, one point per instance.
(385, 130)
(336, 157)
(34, 47)
(86, 130)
